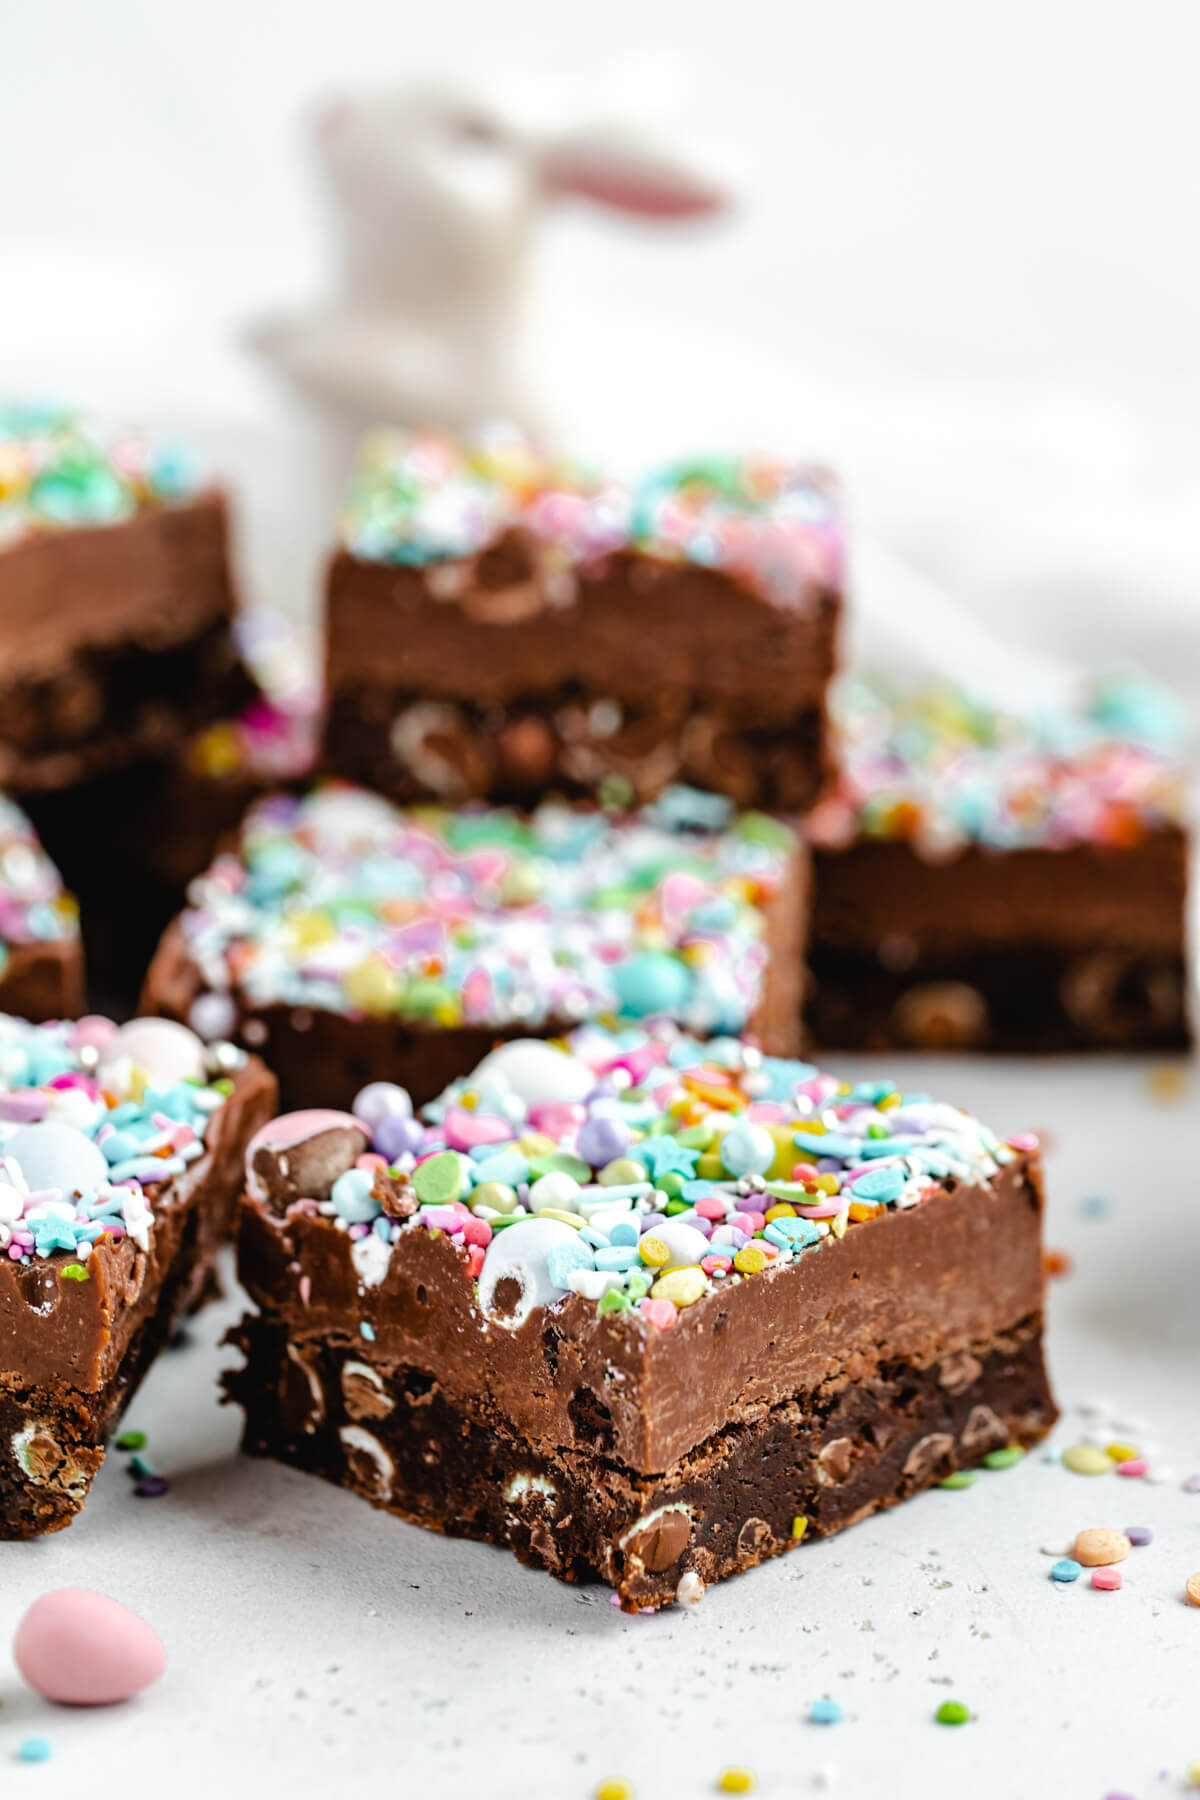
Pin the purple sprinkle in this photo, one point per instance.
(151, 1487)
(1139, 1534)
(1192, 1485)
(651, 1221)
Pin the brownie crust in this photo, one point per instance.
(1019, 950)
(488, 678)
(115, 643)
(73, 1352)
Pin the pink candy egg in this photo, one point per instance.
(84, 1649)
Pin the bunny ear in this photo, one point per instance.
(649, 184)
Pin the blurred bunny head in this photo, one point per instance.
(435, 190)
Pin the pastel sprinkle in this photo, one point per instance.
(1193, 1589)
(1005, 1458)
(132, 1440)
(737, 1781)
(1139, 1534)
(1066, 1569)
(34, 1750)
(1085, 1459)
(1107, 1580)
(1134, 1469)
(1096, 1548)
(959, 1478)
(615, 1789)
(952, 1712)
(825, 1712)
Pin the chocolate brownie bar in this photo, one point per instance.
(989, 881)
(115, 601)
(122, 1155)
(643, 1309)
(131, 840)
(41, 953)
(350, 941)
(501, 625)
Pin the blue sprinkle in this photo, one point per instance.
(620, 1256)
(367, 1330)
(829, 1144)
(1066, 1569)
(1095, 1206)
(796, 1233)
(625, 1231)
(825, 1712)
(879, 1184)
(564, 1259)
(34, 1749)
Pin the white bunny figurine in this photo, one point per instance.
(436, 194)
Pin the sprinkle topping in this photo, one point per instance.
(34, 909)
(94, 1119)
(423, 497)
(638, 1168)
(340, 901)
(59, 471)
(940, 770)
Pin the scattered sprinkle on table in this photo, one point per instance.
(34, 1750)
(1066, 1569)
(825, 1712)
(1097, 1548)
(961, 1478)
(1191, 1484)
(737, 1781)
(615, 1789)
(1139, 1534)
(1085, 1459)
(1108, 1580)
(952, 1712)
(1193, 1589)
(1004, 1459)
(151, 1487)
(132, 1440)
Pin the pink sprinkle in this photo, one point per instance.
(475, 1256)
(712, 1208)
(305, 1289)
(824, 1209)
(477, 1231)
(660, 1313)
(767, 1112)
(804, 1172)
(710, 1264)
(441, 1218)
(466, 1130)
(1027, 1140)
(358, 1231)
(558, 1119)
(1137, 1465)
(1107, 1580)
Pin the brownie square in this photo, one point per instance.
(123, 1152)
(351, 941)
(645, 1310)
(41, 952)
(116, 601)
(501, 625)
(989, 881)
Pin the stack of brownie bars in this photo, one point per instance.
(558, 1243)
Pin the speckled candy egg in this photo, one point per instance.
(539, 1073)
(162, 1050)
(83, 1649)
(53, 1155)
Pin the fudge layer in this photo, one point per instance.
(351, 941)
(116, 601)
(129, 841)
(121, 1150)
(41, 952)
(985, 880)
(640, 1308)
(501, 625)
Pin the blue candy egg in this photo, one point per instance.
(652, 982)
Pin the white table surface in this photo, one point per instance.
(318, 1647)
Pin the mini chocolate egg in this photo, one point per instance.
(300, 1155)
(53, 1155)
(536, 1071)
(83, 1649)
(163, 1051)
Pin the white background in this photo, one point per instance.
(966, 269)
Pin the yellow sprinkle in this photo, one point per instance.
(653, 1251)
(711, 1168)
(1193, 1772)
(683, 1286)
(750, 1259)
(799, 1525)
(888, 1103)
(536, 1143)
(372, 985)
(564, 1218)
(1168, 1083)
(1084, 1459)
(782, 1211)
(828, 1184)
(737, 1781)
(812, 1128)
(614, 1790)
(1122, 1452)
(838, 1224)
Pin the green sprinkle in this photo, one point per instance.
(952, 1712)
(557, 1162)
(670, 1184)
(1004, 1459)
(439, 1179)
(223, 1086)
(74, 1272)
(612, 1300)
(961, 1478)
(132, 1440)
